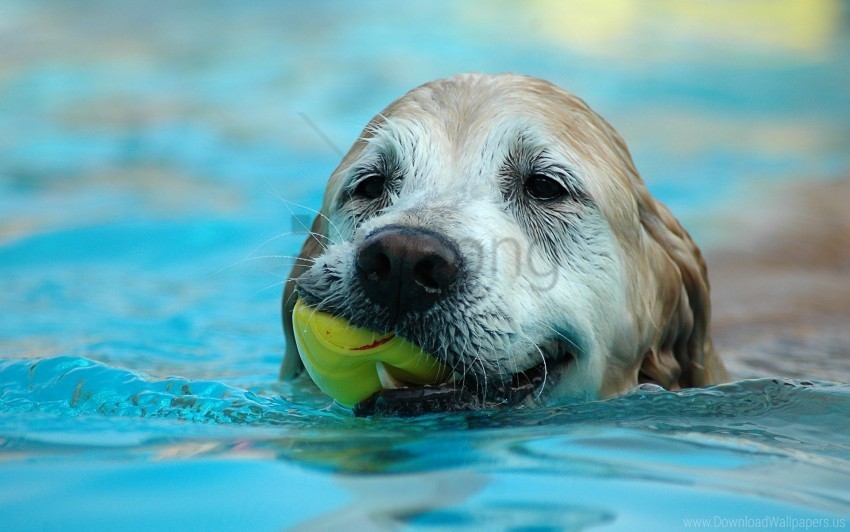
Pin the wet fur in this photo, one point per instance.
(609, 274)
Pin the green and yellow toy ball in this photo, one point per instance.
(350, 364)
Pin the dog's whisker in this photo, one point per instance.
(276, 237)
(545, 374)
(269, 287)
(565, 338)
(293, 258)
(483, 390)
(320, 237)
(467, 368)
(543, 361)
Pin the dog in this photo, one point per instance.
(500, 224)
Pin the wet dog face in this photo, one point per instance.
(499, 223)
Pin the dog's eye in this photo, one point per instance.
(542, 187)
(371, 187)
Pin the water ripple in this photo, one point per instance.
(780, 413)
(73, 386)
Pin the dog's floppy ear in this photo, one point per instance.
(671, 293)
(680, 353)
(314, 245)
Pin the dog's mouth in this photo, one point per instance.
(467, 391)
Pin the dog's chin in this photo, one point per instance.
(530, 386)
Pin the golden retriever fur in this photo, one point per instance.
(629, 292)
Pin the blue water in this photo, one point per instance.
(103, 447)
(155, 162)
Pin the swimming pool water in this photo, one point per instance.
(105, 448)
(155, 162)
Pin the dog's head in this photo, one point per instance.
(500, 224)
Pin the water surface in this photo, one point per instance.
(155, 160)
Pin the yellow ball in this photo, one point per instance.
(350, 364)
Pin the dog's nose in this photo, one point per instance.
(406, 269)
